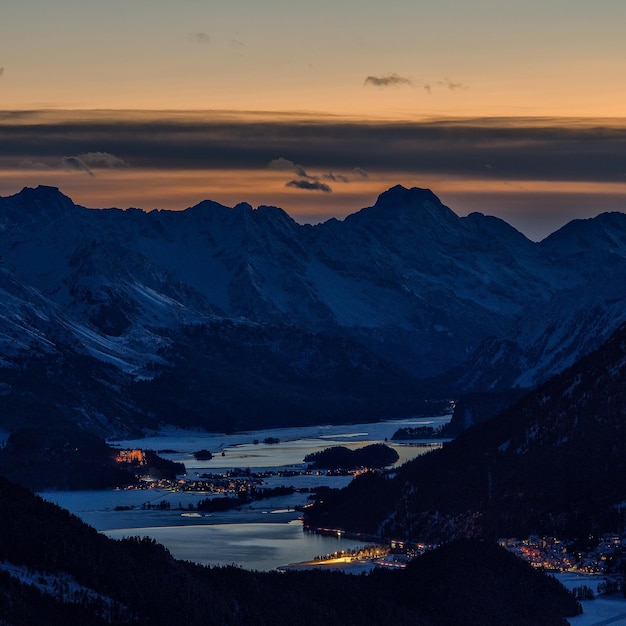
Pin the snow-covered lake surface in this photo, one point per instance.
(241, 451)
(262, 535)
(260, 546)
(601, 611)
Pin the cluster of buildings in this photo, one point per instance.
(131, 457)
(551, 553)
(231, 481)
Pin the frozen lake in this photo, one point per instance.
(260, 546)
(601, 611)
(261, 535)
(295, 443)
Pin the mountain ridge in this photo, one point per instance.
(407, 281)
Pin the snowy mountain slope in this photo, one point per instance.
(450, 282)
(408, 278)
(24, 319)
(540, 345)
(576, 320)
(604, 234)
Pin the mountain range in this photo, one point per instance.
(230, 318)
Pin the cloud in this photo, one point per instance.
(282, 164)
(85, 162)
(1, 71)
(27, 164)
(308, 181)
(337, 177)
(75, 164)
(389, 80)
(309, 185)
(452, 86)
(101, 159)
(393, 80)
(201, 38)
(285, 165)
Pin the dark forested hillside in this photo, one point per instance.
(550, 463)
(376, 455)
(138, 582)
(228, 376)
(64, 457)
(61, 458)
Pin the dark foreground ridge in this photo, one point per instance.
(136, 581)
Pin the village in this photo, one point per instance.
(552, 554)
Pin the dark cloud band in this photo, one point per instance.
(498, 148)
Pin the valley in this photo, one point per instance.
(164, 375)
(312, 314)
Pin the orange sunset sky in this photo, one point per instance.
(513, 109)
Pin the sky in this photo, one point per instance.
(508, 108)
